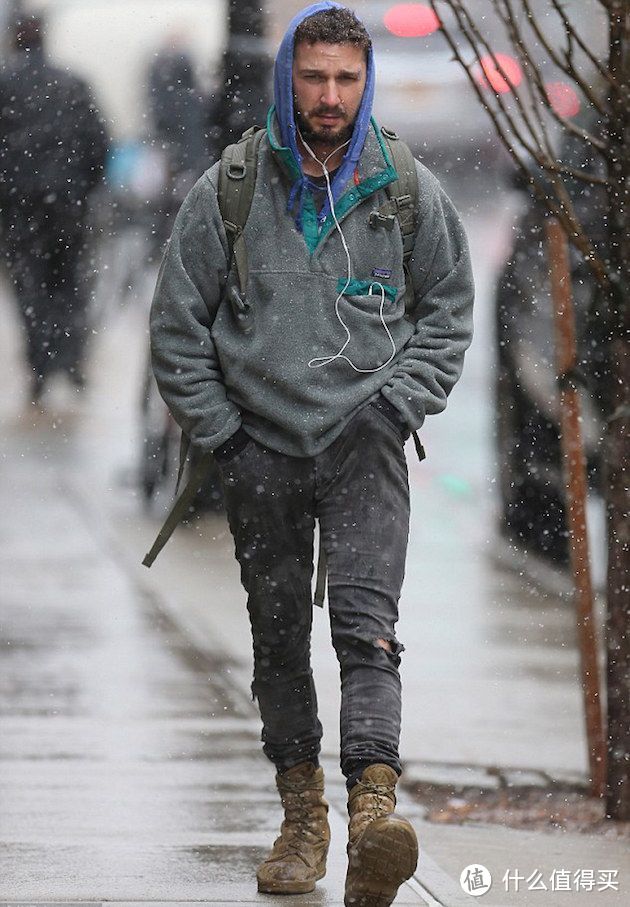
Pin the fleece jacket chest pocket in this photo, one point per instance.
(356, 287)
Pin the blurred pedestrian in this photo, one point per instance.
(53, 147)
(303, 363)
(178, 122)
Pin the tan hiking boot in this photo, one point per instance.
(382, 847)
(298, 857)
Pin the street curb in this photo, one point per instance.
(489, 777)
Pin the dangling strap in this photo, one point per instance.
(419, 448)
(184, 447)
(320, 585)
(180, 508)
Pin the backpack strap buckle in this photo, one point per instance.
(231, 228)
(378, 219)
(402, 201)
(236, 170)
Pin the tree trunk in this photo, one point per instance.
(246, 67)
(576, 485)
(617, 449)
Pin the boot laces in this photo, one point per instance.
(296, 827)
(380, 795)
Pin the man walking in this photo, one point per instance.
(305, 383)
(53, 147)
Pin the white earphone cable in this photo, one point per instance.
(320, 361)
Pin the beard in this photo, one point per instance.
(327, 136)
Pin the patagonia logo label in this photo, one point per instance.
(385, 273)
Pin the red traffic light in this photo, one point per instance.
(411, 20)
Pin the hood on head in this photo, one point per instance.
(283, 96)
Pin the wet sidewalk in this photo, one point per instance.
(131, 765)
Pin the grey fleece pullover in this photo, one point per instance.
(219, 368)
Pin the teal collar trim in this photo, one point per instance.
(310, 223)
(357, 193)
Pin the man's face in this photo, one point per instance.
(328, 83)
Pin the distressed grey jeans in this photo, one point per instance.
(358, 490)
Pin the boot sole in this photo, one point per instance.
(279, 886)
(384, 858)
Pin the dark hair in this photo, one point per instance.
(333, 26)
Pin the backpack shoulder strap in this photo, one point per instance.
(404, 190)
(403, 195)
(237, 180)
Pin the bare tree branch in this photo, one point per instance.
(545, 157)
(574, 35)
(543, 154)
(476, 41)
(537, 88)
(564, 65)
(560, 206)
(509, 18)
(503, 135)
(581, 175)
(578, 131)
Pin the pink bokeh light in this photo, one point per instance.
(501, 76)
(563, 98)
(411, 20)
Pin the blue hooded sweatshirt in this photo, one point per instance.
(285, 114)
